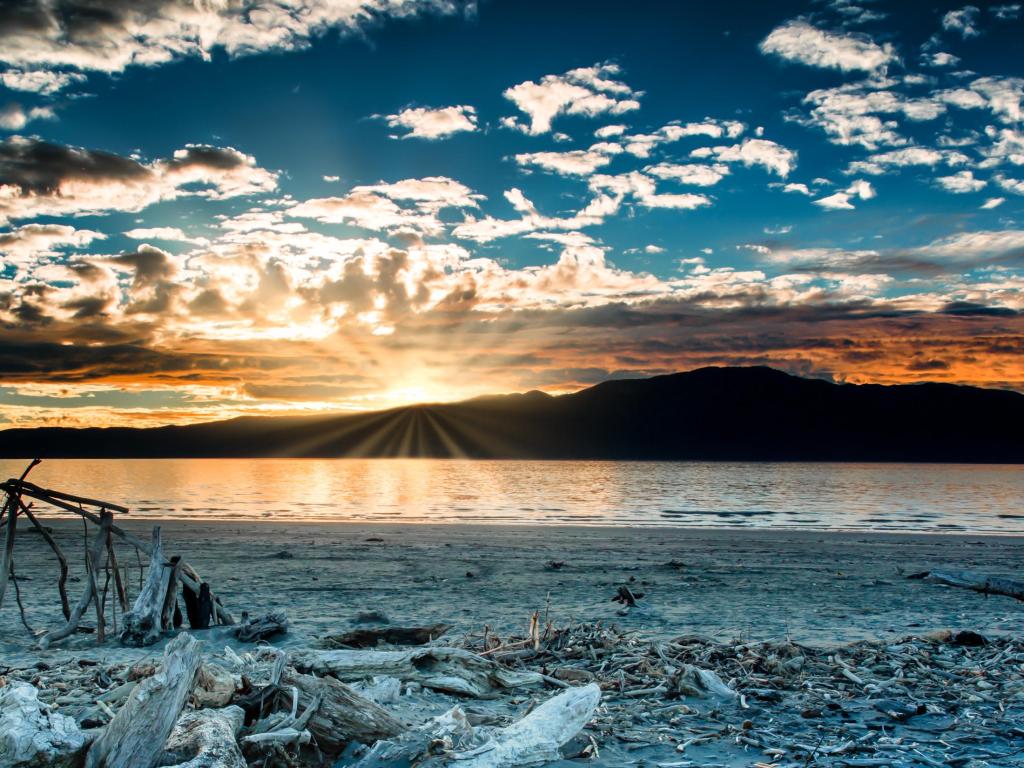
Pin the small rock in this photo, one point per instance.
(284, 554)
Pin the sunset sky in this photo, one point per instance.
(217, 208)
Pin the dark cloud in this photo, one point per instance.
(39, 167)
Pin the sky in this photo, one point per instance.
(212, 209)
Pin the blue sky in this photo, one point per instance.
(208, 213)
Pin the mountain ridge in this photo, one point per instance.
(713, 413)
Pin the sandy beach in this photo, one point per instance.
(819, 588)
(810, 631)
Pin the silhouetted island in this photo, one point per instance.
(751, 413)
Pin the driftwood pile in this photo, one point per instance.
(155, 609)
(585, 692)
(194, 710)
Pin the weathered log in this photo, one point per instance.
(31, 736)
(450, 670)
(537, 737)
(979, 582)
(135, 737)
(451, 729)
(170, 616)
(262, 627)
(8, 553)
(95, 552)
(205, 739)
(143, 624)
(371, 637)
(342, 715)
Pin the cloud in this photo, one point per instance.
(961, 182)
(576, 162)
(38, 178)
(13, 117)
(1004, 95)
(992, 202)
(841, 201)
(489, 228)
(940, 59)
(642, 189)
(170, 234)
(587, 91)
(697, 174)
(963, 21)
(901, 158)
(608, 131)
(79, 34)
(801, 42)
(374, 206)
(31, 242)
(40, 81)
(433, 123)
(1008, 12)
(774, 157)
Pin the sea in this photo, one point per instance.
(828, 496)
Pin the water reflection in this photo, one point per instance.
(817, 495)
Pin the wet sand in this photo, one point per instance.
(819, 588)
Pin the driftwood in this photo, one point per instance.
(205, 739)
(214, 688)
(94, 554)
(534, 740)
(979, 582)
(342, 715)
(371, 637)
(143, 625)
(62, 582)
(31, 736)
(135, 737)
(450, 670)
(537, 737)
(262, 627)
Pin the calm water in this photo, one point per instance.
(846, 496)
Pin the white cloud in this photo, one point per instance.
(373, 206)
(13, 117)
(797, 188)
(607, 131)
(577, 162)
(170, 234)
(41, 81)
(696, 174)
(799, 41)
(113, 36)
(961, 182)
(1008, 12)
(489, 228)
(899, 158)
(653, 249)
(1004, 95)
(992, 202)
(1016, 186)
(940, 59)
(587, 91)
(433, 123)
(773, 157)
(30, 242)
(643, 190)
(841, 201)
(963, 21)
(332, 179)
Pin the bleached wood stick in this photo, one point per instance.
(135, 737)
(450, 670)
(979, 582)
(76, 615)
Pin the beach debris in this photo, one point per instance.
(446, 669)
(284, 554)
(34, 736)
(146, 621)
(214, 686)
(205, 738)
(135, 736)
(979, 582)
(262, 627)
(103, 574)
(372, 617)
(554, 565)
(370, 638)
